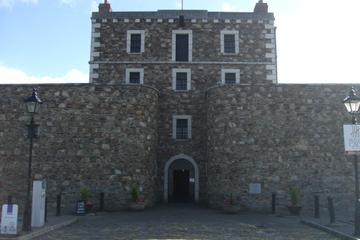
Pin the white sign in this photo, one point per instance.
(254, 188)
(192, 180)
(352, 138)
(9, 218)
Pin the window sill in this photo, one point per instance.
(182, 140)
(139, 53)
(181, 91)
(229, 54)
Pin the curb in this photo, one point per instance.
(41, 231)
(47, 229)
(336, 233)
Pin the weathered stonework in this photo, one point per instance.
(108, 136)
(103, 138)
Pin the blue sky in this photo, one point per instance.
(49, 40)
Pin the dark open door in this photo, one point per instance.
(181, 185)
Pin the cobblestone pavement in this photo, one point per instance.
(186, 223)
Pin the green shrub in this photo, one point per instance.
(295, 196)
(85, 194)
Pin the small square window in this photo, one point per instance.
(181, 79)
(229, 42)
(181, 127)
(135, 41)
(135, 76)
(230, 76)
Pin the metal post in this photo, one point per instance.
(102, 201)
(58, 205)
(27, 210)
(316, 207)
(273, 203)
(331, 210)
(9, 200)
(357, 207)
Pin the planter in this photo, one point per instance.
(294, 210)
(231, 209)
(137, 206)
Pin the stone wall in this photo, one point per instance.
(103, 138)
(280, 136)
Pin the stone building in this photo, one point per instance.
(186, 106)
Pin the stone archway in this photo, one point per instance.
(166, 175)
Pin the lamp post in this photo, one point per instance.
(32, 105)
(352, 104)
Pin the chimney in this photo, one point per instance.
(105, 7)
(261, 8)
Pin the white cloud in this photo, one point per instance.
(71, 3)
(227, 7)
(94, 6)
(319, 43)
(16, 76)
(11, 3)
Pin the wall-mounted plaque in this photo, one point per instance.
(255, 188)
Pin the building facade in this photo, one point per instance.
(186, 106)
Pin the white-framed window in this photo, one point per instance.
(135, 41)
(134, 76)
(182, 45)
(181, 79)
(181, 127)
(229, 42)
(230, 76)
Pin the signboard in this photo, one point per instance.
(352, 138)
(192, 180)
(254, 188)
(9, 219)
(80, 207)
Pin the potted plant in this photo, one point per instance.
(230, 204)
(85, 198)
(137, 201)
(294, 208)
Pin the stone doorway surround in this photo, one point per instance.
(166, 177)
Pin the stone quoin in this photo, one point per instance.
(186, 105)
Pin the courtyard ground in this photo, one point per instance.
(186, 222)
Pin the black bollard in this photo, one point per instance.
(102, 195)
(273, 203)
(9, 200)
(316, 207)
(58, 205)
(331, 210)
(46, 208)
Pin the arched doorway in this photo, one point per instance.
(181, 180)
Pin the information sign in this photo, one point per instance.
(9, 218)
(352, 138)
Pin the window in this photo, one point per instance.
(135, 41)
(181, 127)
(181, 79)
(135, 76)
(182, 45)
(229, 42)
(230, 76)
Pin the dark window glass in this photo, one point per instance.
(135, 45)
(230, 78)
(181, 81)
(182, 47)
(134, 78)
(229, 43)
(182, 129)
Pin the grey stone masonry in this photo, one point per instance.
(247, 131)
(103, 138)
